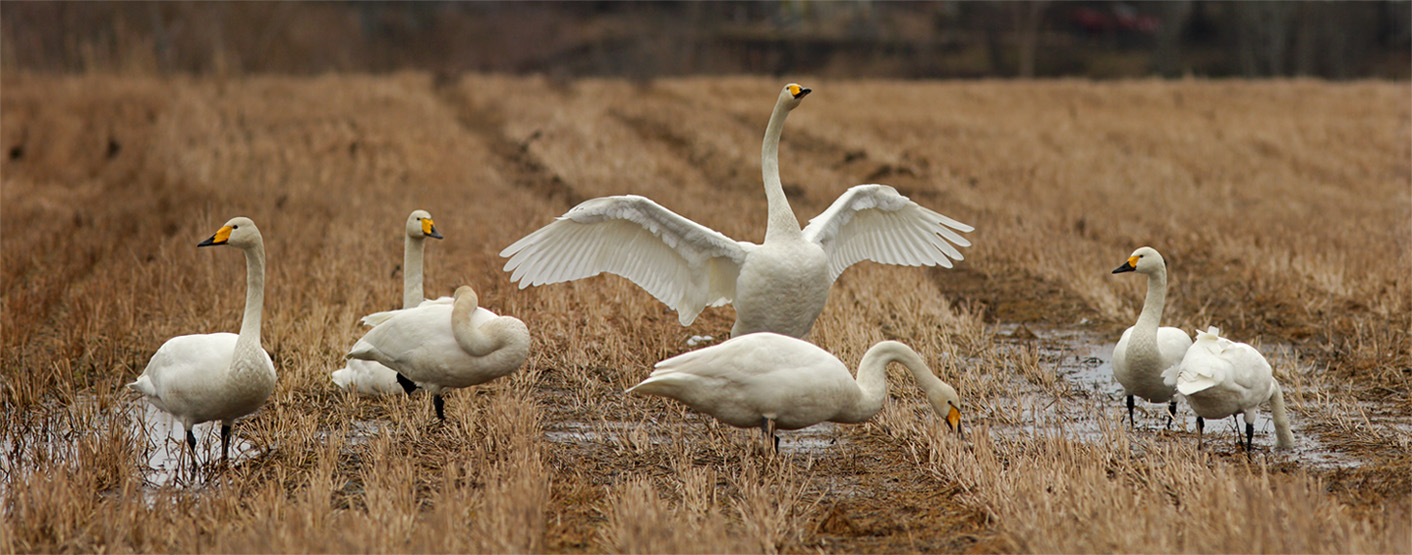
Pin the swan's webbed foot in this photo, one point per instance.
(407, 385)
(440, 405)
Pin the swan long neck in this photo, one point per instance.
(473, 340)
(1284, 439)
(1153, 305)
(412, 253)
(254, 297)
(872, 379)
(782, 222)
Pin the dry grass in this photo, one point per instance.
(1283, 208)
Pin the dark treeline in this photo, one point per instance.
(1337, 40)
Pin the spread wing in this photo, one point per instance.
(684, 264)
(875, 222)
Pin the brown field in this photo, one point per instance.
(1282, 207)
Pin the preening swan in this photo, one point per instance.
(779, 286)
(370, 377)
(773, 381)
(445, 344)
(1145, 351)
(217, 376)
(1221, 378)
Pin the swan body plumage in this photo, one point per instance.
(444, 344)
(779, 286)
(770, 380)
(1145, 351)
(371, 377)
(1220, 378)
(217, 376)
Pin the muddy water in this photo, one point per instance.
(159, 439)
(622, 434)
(1089, 409)
(1095, 402)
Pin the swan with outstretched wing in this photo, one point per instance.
(778, 286)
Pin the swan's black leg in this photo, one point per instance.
(440, 406)
(191, 442)
(1131, 422)
(767, 425)
(1200, 428)
(407, 385)
(1172, 414)
(225, 443)
(1249, 436)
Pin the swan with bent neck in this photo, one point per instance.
(1146, 350)
(773, 381)
(445, 344)
(370, 377)
(779, 286)
(217, 376)
(1220, 378)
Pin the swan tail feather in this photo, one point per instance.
(342, 377)
(1169, 376)
(1284, 439)
(363, 350)
(1187, 383)
(143, 385)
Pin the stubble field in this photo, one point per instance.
(1282, 207)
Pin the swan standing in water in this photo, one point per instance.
(216, 376)
(1146, 351)
(773, 381)
(1221, 378)
(370, 377)
(445, 344)
(779, 286)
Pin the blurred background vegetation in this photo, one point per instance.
(1335, 40)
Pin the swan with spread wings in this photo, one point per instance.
(778, 286)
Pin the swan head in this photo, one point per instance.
(947, 403)
(420, 225)
(792, 94)
(239, 232)
(1145, 260)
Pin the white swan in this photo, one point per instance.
(775, 381)
(217, 376)
(445, 344)
(779, 286)
(1145, 351)
(370, 377)
(1221, 378)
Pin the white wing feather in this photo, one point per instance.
(875, 222)
(684, 264)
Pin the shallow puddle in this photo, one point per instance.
(165, 451)
(159, 440)
(1096, 402)
(624, 434)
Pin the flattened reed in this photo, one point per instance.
(1282, 207)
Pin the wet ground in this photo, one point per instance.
(1089, 402)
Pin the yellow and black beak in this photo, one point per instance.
(953, 419)
(798, 91)
(219, 238)
(429, 229)
(1129, 266)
